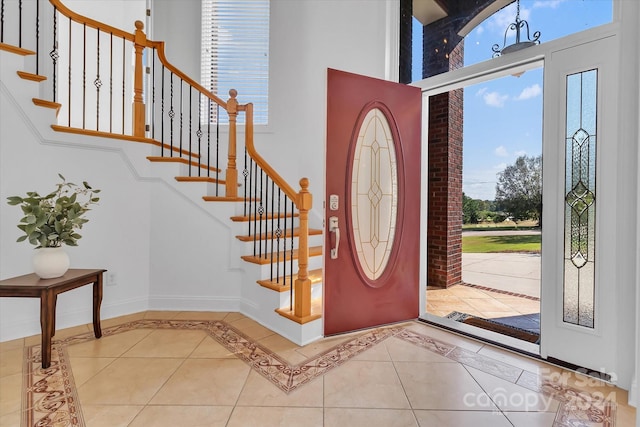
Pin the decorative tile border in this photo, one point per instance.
(50, 397)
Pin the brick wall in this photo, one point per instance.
(444, 224)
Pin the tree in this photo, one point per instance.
(519, 189)
(470, 210)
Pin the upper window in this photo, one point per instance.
(235, 52)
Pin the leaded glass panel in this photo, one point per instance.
(580, 199)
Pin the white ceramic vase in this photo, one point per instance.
(49, 263)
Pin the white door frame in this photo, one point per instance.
(513, 63)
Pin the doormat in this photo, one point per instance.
(494, 326)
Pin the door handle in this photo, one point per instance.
(335, 236)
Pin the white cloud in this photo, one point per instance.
(494, 99)
(501, 151)
(480, 30)
(481, 91)
(520, 153)
(499, 22)
(529, 92)
(552, 4)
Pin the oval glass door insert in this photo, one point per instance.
(374, 194)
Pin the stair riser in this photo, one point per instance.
(316, 292)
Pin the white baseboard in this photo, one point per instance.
(26, 328)
(193, 303)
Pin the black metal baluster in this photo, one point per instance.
(54, 52)
(84, 75)
(2, 21)
(190, 101)
(278, 235)
(111, 82)
(261, 212)
(171, 116)
(199, 131)
(209, 141)
(273, 216)
(263, 236)
(123, 81)
(291, 259)
(153, 94)
(250, 189)
(20, 23)
(217, 145)
(162, 114)
(245, 173)
(255, 213)
(284, 257)
(69, 78)
(181, 118)
(37, 37)
(97, 82)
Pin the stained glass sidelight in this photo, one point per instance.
(580, 199)
(374, 194)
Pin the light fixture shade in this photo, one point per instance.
(518, 26)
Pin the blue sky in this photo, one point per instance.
(503, 117)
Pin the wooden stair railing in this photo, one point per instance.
(86, 55)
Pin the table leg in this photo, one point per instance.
(47, 315)
(97, 301)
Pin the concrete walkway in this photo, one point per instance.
(512, 272)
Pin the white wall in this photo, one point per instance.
(627, 214)
(307, 37)
(166, 253)
(178, 24)
(115, 238)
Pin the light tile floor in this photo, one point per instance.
(480, 302)
(223, 369)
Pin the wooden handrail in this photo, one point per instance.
(251, 149)
(91, 22)
(303, 199)
(159, 46)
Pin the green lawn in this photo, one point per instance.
(483, 244)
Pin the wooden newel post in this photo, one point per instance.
(231, 175)
(302, 286)
(139, 42)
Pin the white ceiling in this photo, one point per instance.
(427, 11)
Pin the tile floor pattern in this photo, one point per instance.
(223, 369)
(479, 301)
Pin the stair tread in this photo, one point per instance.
(279, 285)
(222, 199)
(316, 312)
(265, 236)
(245, 218)
(182, 160)
(15, 49)
(200, 179)
(30, 76)
(284, 255)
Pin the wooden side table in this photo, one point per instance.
(30, 285)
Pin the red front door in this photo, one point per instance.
(373, 203)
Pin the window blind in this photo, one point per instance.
(235, 52)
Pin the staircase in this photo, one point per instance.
(178, 134)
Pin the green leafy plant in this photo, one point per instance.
(51, 220)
